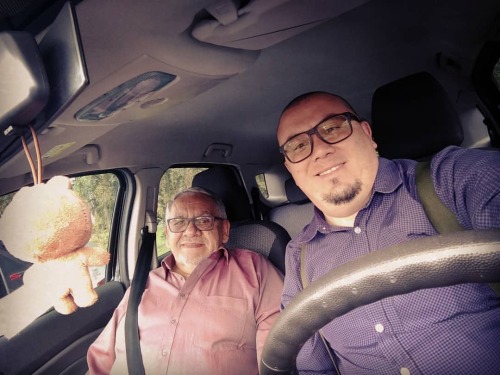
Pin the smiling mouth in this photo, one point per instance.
(192, 244)
(328, 171)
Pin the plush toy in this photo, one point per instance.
(49, 224)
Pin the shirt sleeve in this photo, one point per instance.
(101, 354)
(313, 358)
(467, 181)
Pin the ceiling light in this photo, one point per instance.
(124, 96)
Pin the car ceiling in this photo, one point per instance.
(238, 72)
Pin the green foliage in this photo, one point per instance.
(4, 201)
(99, 191)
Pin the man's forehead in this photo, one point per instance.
(199, 203)
(309, 113)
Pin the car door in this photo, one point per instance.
(56, 343)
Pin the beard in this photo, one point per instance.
(344, 196)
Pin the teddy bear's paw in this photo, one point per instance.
(65, 305)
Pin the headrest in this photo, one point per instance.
(413, 118)
(293, 192)
(224, 182)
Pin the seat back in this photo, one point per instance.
(413, 118)
(265, 237)
(224, 181)
(297, 213)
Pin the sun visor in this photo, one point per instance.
(262, 23)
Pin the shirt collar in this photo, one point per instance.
(388, 179)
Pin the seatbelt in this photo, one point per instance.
(441, 217)
(141, 272)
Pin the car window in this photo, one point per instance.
(100, 192)
(261, 183)
(173, 181)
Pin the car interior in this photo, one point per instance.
(135, 101)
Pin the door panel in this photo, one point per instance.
(56, 343)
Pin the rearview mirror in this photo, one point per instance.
(23, 82)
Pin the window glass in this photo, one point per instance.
(173, 181)
(100, 192)
(496, 74)
(261, 183)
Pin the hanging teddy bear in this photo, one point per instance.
(49, 225)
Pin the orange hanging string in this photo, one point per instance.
(37, 172)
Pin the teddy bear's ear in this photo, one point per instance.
(61, 181)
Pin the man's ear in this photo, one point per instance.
(226, 226)
(367, 128)
(286, 165)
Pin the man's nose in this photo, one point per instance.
(320, 148)
(191, 228)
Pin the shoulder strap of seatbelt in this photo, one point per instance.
(141, 272)
(441, 217)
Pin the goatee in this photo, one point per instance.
(344, 196)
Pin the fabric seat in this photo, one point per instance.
(265, 237)
(297, 213)
(413, 118)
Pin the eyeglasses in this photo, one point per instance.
(180, 224)
(333, 129)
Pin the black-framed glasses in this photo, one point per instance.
(180, 224)
(333, 129)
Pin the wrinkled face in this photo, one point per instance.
(191, 246)
(337, 178)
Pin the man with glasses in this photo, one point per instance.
(364, 203)
(206, 310)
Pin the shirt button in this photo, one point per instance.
(164, 353)
(182, 295)
(379, 328)
(357, 230)
(173, 321)
(404, 371)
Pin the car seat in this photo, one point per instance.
(413, 118)
(298, 211)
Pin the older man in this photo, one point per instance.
(365, 203)
(206, 310)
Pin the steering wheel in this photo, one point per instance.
(429, 262)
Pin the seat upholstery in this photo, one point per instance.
(223, 181)
(413, 118)
(265, 237)
(297, 213)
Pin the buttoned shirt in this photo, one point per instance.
(213, 322)
(446, 330)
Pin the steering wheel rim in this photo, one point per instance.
(429, 262)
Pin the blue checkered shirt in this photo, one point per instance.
(450, 330)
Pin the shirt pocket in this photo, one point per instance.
(222, 323)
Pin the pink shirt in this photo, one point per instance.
(213, 322)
